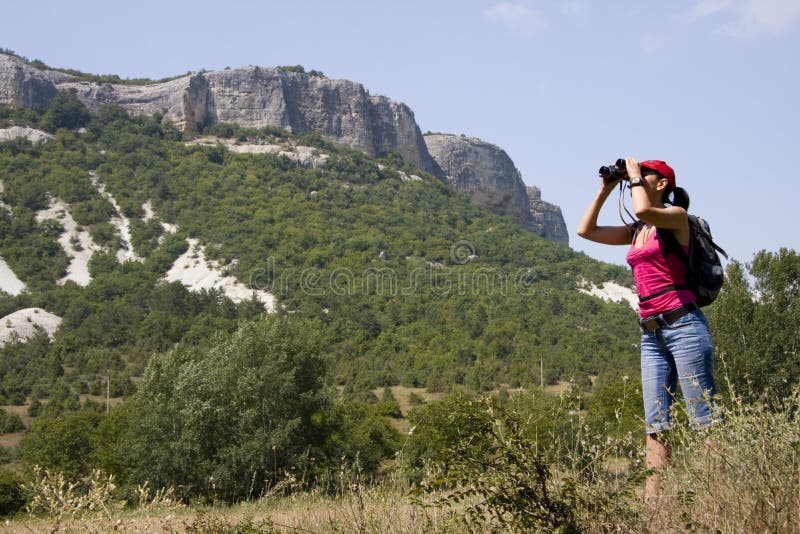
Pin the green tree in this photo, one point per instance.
(62, 443)
(235, 415)
(65, 111)
(755, 322)
(10, 422)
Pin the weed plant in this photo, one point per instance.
(506, 479)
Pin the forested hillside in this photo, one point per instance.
(397, 278)
(411, 282)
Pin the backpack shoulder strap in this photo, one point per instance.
(635, 228)
(670, 243)
(705, 228)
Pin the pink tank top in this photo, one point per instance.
(653, 271)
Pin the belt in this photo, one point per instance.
(667, 318)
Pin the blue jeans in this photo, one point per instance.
(682, 351)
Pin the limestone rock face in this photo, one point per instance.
(137, 99)
(548, 220)
(340, 110)
(23, 85)
(488, 175)
(32, 135)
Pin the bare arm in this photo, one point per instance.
(671, 217)
(607, 235)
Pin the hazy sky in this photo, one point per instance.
(710, 86)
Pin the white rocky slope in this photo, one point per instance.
(119, 221)
(305, 156)
(194, 271)
(9, 281)
(32, 135)
(77, 244)
(611, 291)
(23, 324)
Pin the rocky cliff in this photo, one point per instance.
(548, 220)
(341, 110)
(487, 174)
(23, 85)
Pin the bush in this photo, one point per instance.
(10, 422)
(65, 111)
(63, 443)
(506, 479)
(12, 498)
(229, 419)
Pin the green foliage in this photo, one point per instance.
(12, 498)
(754, 321)
(62, 443)
(233, 416)
(616, 409)
(65, 111)
(438, 429)
(293, 68)
(23, 364)
(355, 433)
(10, 422)
(387, 404)
(506, 478)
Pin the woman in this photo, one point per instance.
(676, 341)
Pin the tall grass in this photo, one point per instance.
(742, 475)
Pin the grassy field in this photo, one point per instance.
(742, 475)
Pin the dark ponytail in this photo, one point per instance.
(680, 197)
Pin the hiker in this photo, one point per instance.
(676, 340)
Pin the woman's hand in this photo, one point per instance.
(609, 184)
(633, 168)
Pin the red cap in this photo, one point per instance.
(662, 168)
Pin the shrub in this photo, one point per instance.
(509, 480)
(62, 443)
(10, 422)
(11, 495)
(229, 419)
(65, 111)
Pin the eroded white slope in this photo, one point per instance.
(77, 244)
(611, 291)
(9, 281)
(119, 221)
(194, 271)
(23, 324)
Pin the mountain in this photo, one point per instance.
(138, 239)
(300, 102)
(488, 176)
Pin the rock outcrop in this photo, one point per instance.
(340, 110)
(24, 85)
(32, 135)
(548, 221)
(487, 174)
(252, 97)
(24, 324)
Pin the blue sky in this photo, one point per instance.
(710, 86)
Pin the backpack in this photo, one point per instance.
(704, 272)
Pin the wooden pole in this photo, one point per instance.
(541, 370)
